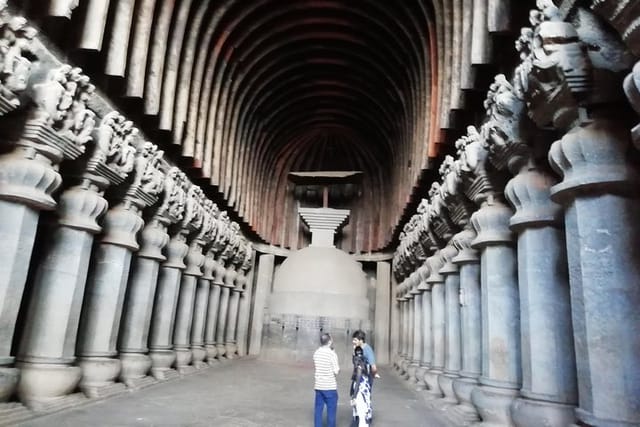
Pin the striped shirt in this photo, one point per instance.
(326, 364)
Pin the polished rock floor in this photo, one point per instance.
(245, 393)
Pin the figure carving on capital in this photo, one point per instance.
(174, 196)
(248, 254)
(16, 56)
(571, 64)
(474, 177)
(438, 216)
(193, 215)
(114, 152)
(508, 127)
(61, 103)
(459, 207)
(209, 224)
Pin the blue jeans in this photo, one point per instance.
(329, 398)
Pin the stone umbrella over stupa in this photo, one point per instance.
(324, 222)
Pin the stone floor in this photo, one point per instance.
(245, 393)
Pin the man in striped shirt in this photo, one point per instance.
(326, 365)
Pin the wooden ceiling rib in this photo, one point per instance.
(249, 90)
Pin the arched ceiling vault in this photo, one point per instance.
(248, 91)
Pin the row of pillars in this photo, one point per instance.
(140, 313)
(525, 319)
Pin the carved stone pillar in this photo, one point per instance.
(427, 315)
(141, 289)
(402, 338)
(212, 321)
(468, 261)
(453, 355)
(28, 177)
(548, 358)
(418, 347)
(423, 273)
(47, 347)
(136, 316)
(232, 323)
(604, 272)
(437, 326)
(29, 173)
(412, 364)
(501, 369)
(232, 311)
(200, 223)
(106, 286)
(99, 322)
(185, 309)
(223, 308)
(200, 313)
(164, 309)
(245, 283)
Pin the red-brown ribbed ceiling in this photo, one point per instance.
(252, 90)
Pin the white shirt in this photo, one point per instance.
(326, 364)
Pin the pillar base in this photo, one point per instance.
(445, 381)
(420, 384)
(588, 419)
(135, 366)
(533, 413)
(199, 354)
(9, 378)
(161, 363)
(98, 371)
(494, 405)
(183, 358)
(44, 385)
(222, 350)
(212, 354)
(411, 373)
(231, 348)
(465, 411)
(431, 378)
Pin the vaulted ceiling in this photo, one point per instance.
(243, 92)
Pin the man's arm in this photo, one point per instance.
(336, 366)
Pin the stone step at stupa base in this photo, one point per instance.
(461, 416)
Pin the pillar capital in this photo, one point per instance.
(529, 192)
(462, 242)
(593, 158)
(491, 222)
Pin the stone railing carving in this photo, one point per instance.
(16, 55)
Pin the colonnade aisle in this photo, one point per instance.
(245, 393)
